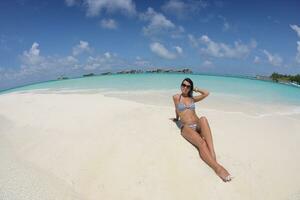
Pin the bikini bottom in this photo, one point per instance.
(193, 126)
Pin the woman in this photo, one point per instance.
(195, 130)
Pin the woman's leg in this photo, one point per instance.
(195, 139)
(206, 133)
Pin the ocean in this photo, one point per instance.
(246, 89)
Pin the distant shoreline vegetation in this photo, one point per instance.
(138, 71)
(135, 71)
(282, 78)
(157, 70)
(275, 77)
(286, 78)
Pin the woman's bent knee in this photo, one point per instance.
(203, 118)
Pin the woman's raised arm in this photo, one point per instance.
(176, 112)
(204, 93)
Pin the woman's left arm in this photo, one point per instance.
(204, 93)
(176, 112)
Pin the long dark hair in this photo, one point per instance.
(190, 93)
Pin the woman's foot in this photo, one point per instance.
(223, 174)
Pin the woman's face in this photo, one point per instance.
(185, 87)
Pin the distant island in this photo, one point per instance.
(157, 70)
(90, 74)
(136, 71)
(286, 78)
(275, 77)
(62, 77)
(281, 78)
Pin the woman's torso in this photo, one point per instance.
(186, 110)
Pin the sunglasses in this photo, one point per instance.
(184, 85)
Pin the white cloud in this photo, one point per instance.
(161, 51)
(82, 47)
(34, 50)
(94, 7)
(72, 2)
(108, 24)
(193, 40)
(157, 22)
(104, 61)
(207, 63)
(32, 56)
(35, 67)
(256, 60)
(274, 59)
(182, 9)
(140, 62)
(296, 29)
(179, 49)
(107, 55)
(238, 50)
(94, 63)
(178, 32)
(71, 59)
(160, 24)
(226, 25)
(298, 52)
(253, 43)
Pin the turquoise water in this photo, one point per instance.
(245, 88)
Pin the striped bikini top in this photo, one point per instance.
(181, 106)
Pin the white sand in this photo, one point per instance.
(90, 146)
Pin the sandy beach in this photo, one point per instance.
(95, 146)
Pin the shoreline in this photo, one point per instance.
(216, 102)
(250, 77)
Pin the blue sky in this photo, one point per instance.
(41, 40)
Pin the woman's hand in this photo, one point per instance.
(174, 119)
(202, 91)
(195, 89)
